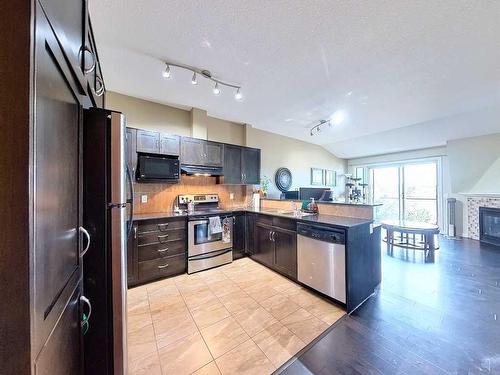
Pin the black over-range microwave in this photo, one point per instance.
(157, 168)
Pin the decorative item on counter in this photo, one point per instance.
(265, 182)
(312, 206)
(256, 201)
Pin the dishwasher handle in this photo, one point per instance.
(331, 235)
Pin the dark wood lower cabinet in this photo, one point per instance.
(156, 249)
(239, 236)
(285, 251)
(250, 233)
(276, 248)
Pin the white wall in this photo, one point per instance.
(279, 151)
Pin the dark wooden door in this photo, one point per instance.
(239, 231)
(193, 151)
(264, 247)
(250, 233)
(57, 212)
(131, 150)
(250, 165)
(285, 251)
(148, 142)
(214, 154)
(169, 144)
(132, 257)
(68, 18)
(232, 165)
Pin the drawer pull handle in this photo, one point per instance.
(162, 227)
(164, 237)
(163, 266)
(163, 250)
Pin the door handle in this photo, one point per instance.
(84, 231)
(270, 235)
(89, 305)
(163, 266)
(274, 236)
(162, 227)
(163, 250)
(164, 237)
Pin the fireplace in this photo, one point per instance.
(489, 225)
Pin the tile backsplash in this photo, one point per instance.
(161, 197)
(473, 204)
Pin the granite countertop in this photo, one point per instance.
(327, 202)
(339, 221)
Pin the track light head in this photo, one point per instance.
(194, 80)
(238, 95)
(166, 73)
(216, 89)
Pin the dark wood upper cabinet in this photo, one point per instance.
(250, 165)
(241, 165)
(68, 19)
(214, 154)
(148, 141)
(169, 144)
(192, 151)
(200, 152)
(285, 251)
(232, 165)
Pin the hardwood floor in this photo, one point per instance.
(427, 318)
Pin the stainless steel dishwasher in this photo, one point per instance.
(321, 259)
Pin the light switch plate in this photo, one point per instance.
(144, 198)
(371, 228)
(231, 196)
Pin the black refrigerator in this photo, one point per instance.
(106, 183)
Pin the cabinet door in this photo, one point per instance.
(250, 233)
(239, 236)
(68, 19)
(285, 252)
(251, 165)
(193, 151)
(132, 257)
(148, 142)
(214, 154)
(57, 356)
(131, 150)
(169, 144)
(264, 247)
(57, 187)
(232, 165)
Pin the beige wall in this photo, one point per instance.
(279, 151)
(225, 131)
(144, 114)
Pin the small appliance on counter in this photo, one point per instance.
(210, 231)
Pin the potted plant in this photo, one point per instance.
(265, 182)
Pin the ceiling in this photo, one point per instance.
(394, 68)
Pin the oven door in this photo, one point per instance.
(201, 241)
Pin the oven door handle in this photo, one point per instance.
(198, 222)
(208, 256)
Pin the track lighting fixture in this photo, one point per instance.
(238, 95)
(166, 72)
(336, 119)
(317, 128)
(216, 89)
(205, 74)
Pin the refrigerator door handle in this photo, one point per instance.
(130, 201)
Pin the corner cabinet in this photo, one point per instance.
(241, 165)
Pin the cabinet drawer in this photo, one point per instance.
(157, 268)
(265, 219)
(160, 225)
(284, 223)
(161, 237)
(159, 250)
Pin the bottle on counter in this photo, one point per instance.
(312, 207)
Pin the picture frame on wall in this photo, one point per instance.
(330, 177)
(317, 177)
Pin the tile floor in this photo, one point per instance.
(241, 318)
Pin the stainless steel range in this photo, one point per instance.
(210, 232)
